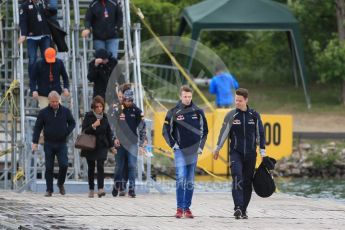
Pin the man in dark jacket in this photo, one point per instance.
(116, 110)
(46, 77)
(185, 131)
(104, 17)
(57, 123)
(244, 128)
(100, 70)
(128, 124)
(34, 28)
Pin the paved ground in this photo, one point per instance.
(155, 211)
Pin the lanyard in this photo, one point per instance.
(105, 9)
(103, 3)
(51, 77)
(37, 6)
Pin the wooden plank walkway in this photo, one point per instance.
(154, 211)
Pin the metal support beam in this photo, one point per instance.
(75, 71)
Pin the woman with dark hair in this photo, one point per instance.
(96, 123)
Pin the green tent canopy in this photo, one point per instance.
(240, 15)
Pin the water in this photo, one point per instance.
(313, 188)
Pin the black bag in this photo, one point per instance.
(269, 162)
(58, 35)
(263, 182)
(85, 142)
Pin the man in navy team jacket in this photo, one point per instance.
(185, 131)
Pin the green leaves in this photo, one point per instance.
(329, 62)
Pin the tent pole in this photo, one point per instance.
(194, 44)
(294, 59)
(301, 69)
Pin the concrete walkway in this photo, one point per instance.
(155, 211)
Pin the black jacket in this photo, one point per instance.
(29, 15)
(104, 137)
(104, 28)
(186, 127)
(128, 123)
(57, 125)
(245, 130)
(39, 79)
(58, 35)
(100, 76)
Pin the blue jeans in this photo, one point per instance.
(120, 158)
(60, 151)
(242, 171)
(121, 162)
(185, 169)
(33, 45)
(112, 45)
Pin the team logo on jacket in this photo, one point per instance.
(236, 122)
(180, 118)
(122, 116)
(195, 116)
(251, 122)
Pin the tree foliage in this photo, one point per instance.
(330, 61)
(265, 56)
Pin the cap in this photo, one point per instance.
(128, 95)
(102, 53)
(50, 55)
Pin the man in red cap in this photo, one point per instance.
(46, 78)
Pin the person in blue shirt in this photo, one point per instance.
(222, 85)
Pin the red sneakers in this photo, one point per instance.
(188, 214)
(179, 213)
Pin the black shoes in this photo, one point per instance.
(237, 213)
(131, 193)
(114, 192)
(244, 215)
(240, 213)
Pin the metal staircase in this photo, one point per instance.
(19, 167)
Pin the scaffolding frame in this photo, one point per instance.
(15, 131)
